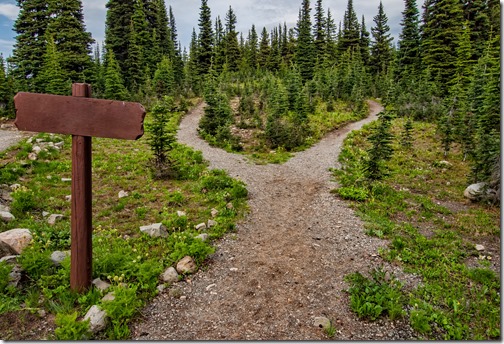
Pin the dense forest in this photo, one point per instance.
(445, 67)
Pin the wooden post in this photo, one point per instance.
(81, 220)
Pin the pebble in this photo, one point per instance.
(480, 248)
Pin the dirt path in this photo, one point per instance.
(285, 265)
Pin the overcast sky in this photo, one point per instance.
(267, 13)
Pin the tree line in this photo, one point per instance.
(444, 68)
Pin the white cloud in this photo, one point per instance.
(9, 10)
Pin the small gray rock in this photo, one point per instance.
(155, 230)
(479, 247)
(45, 214)
(97, 319)
(9, 259)
(53, 218)
(475, 191)
(170, 275)
(101, 285)
(214, 212)
(211, 223)
(230, 205)
(15, 275)
(68, 198)
(161, 288)
(109, 297)
(5, 216)
(123, 194)
(66, 179)
(201, 226)
(14, 187)
(32, 156)
(322, 322)
(36, 149)
(181, 213)
(4, 208)
(58, 256)
(202, 236)
(186, 265)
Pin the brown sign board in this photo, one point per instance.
(79, 116)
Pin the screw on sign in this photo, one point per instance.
(83, 118)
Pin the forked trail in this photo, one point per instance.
(285, 265)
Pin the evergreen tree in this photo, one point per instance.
(305, 50)
(350, 33)
(407, 136)
(477, 14)
(30, 46)
(118, 31)
(205, 39)
(99, 72)
(137, 61)
(6, 92)
(175, 53)
(409, 41)
(219, 52)
(192, 63)
(275, 57)
(364, 43)
(381, 48)
(72, 41)
(264, 49)
(252, 53)
(381, 149)
(53, 79)
(331, 45)
(164, 32)
(114, 85)
(164, 78)
(441, 32)
(319, 33)
(232, 49)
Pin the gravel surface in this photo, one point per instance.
(286, 263)
(9, 137)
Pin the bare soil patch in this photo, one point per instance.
(286, 263)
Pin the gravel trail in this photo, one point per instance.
(286, 263)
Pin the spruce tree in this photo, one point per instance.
(137, 61)
(264, 49)
(164, 78)
(364, 43)
(176, 56)
(192, 63)
(114, 85)
(381, 47)
(381, 149)
(409, 41)
(30, 46)
(219, 51)
(350, 33)
(72, 41)
(320, 33)
(205, 39)
(118, 31)
(6, 92)
(53, 79)
(304, 57)
(252, 44)
(275, 57)
(164, 32)
(232, 49)
(331, 45)
(441, 32)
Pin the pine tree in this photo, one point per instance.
(192, 63)
(53, 79)
(72, 41)
(205, 39)
(137, 61)
(30, 46)
(114, 85)
(477, 14)
(176, 56)
(409, 41)
(164, 32)
(350, 33)
(99, 72)
(232, 49)
(6, 92)
(381, 149)
(275, 57)
(219, 52)
(364, 43)
(381, 48)
(304, 57)
(331, 46)
(252, 52)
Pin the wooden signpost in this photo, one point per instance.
(83, 118)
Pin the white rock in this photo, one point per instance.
(123, 194)
(181, 213)
(109, 297)
(14, 187)
(5, 216)
(36, 149)
(214, 212)
(202, 236)
(211, 223)
(45, 214)
(479, 247)
(8, 259)
(322, 322)
(186, 265)
(66, 179)
(97, 319)
(15, 275)
(53, 218)
(4, 208)
(58, 256)
(201, 226)
(233, 269)
(161, 288)
(68, 198)
(32, 156)
(475, 191)
(155, 230)
(170, 275)
(101, 285)
(18, 239)
(210, 286)
(39, 140)
(59, 144)
(230, 205)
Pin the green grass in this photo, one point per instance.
(121, 253)
(419, 207)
